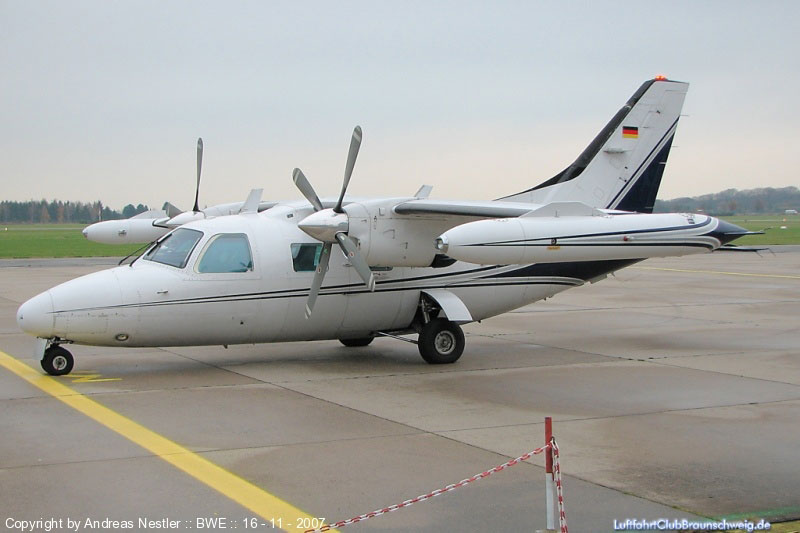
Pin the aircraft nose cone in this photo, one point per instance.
(727, 232)
(36, 317)
(85, 232)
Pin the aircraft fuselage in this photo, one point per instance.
(154, 304)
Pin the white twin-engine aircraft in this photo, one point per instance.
(353, 269)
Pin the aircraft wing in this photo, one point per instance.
(497, 209)
(466, 209)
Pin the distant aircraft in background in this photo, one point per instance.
(148, 226)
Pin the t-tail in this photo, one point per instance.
(622, 167)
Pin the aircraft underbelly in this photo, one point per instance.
(346, 316)
(486, 302)
(366, 312)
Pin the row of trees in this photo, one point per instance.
(58, 212)
(728, 202)
(734, 202)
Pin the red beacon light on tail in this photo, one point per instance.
(661, 77)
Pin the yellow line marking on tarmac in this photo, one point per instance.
(87, 377)
(782, 276)
(228, 484)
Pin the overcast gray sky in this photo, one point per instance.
(104, 100)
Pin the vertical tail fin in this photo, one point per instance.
(622, 167)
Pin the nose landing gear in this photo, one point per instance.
(57, 361)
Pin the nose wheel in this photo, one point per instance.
(441, 342)
(57, 361)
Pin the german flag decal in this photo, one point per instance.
(630, 132)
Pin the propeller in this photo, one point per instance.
(199, 168)
(352, 154)
(332, 225)
(305, 187)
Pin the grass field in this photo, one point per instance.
(66, 240)
(773, 235)
(54, 240)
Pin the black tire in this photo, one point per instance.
(355, 343)
(57, 361)
(441, 342)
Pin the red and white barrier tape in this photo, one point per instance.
(463, 482)
(562, 516)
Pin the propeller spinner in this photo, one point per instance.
(332, 225)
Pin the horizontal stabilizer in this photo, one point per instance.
(743, 233)
(734, 248)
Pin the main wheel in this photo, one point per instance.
(57, 361)
(354, 343)
(441, 342)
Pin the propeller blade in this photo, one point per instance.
(305, 187)
(319, 275)
(199, 167)
(355, 145)
(356, 259)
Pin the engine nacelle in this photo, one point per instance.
(388, 239)
(127, 231)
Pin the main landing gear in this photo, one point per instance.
(57, 361)
(441, 342)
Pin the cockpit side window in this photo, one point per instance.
(175, 249)
(305, 256)
(226, 253)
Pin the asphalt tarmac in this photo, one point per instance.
(674, 388)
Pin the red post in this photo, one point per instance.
(548, 476)
(548, 436)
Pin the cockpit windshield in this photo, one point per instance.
(175, 248)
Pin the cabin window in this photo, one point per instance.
(174, 249)
(226, 253)
(305, 256)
